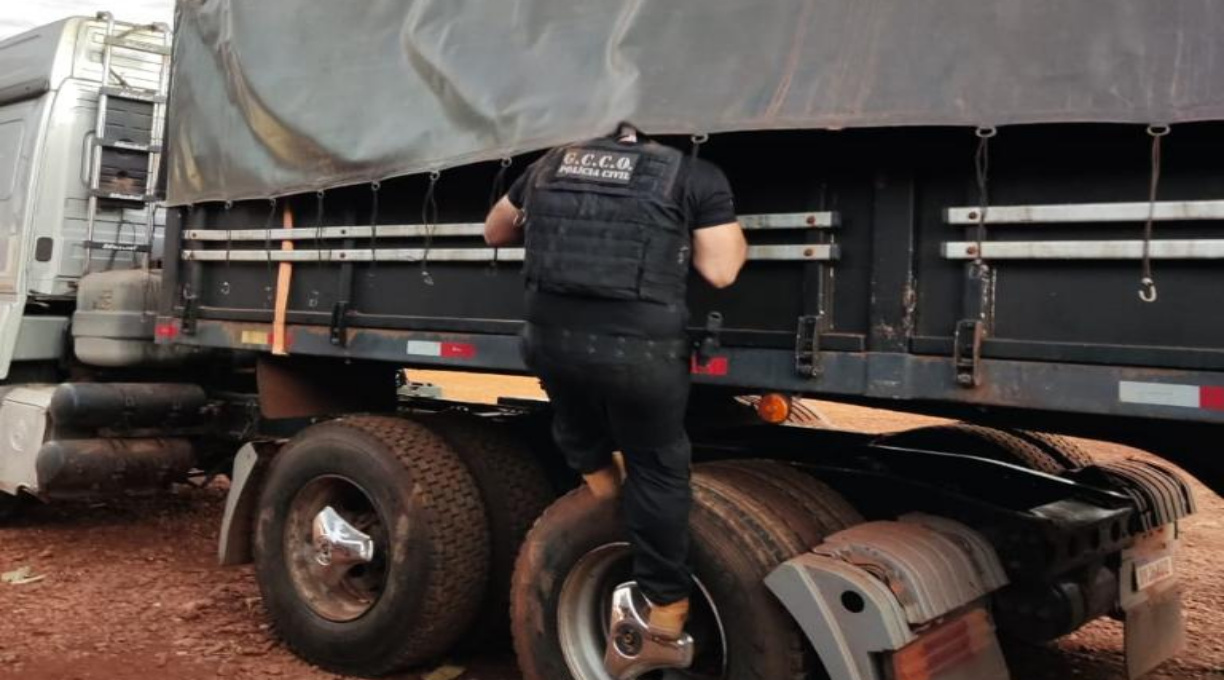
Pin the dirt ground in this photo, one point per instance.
(130, 590)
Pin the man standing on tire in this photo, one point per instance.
(612, 227)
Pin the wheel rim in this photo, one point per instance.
(337, 590)
(582, 619)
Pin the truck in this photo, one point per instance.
(227, 252)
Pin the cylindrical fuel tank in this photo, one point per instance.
(163, 405)
(88, 468)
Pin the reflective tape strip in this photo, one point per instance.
(1163, 394)
(449, 350)
(259, 337)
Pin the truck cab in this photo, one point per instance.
(80, 128)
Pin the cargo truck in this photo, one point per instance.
(1033, 256)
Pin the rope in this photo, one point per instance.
(188, 293)
(1147, 284)
(981, 163)
(229, 248)
(495, 194)
(268, 251)
(375, 187)
(318, 234)
(429, 218)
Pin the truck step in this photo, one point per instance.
(117, 247)
(136, 94)
(125, 145)
(136, 45)
(103, 194)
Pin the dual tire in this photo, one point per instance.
(747, 518)
(446, 502)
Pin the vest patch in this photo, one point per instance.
(611, 167)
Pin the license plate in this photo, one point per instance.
(1151, 573)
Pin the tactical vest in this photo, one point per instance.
(602, 221)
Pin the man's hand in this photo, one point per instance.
(719, 252)
(502, 227)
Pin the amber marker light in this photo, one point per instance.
(774, 408)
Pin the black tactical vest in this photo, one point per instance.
(602, 221)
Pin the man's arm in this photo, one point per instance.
(502, 226)
(719, 253)
(719, 246)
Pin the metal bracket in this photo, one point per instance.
(807, 346)
(972, 328)
(967, 352)
(710, 339)
(191, 314)
(339, 323)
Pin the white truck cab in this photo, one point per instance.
(81, 120)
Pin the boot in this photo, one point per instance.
(667, 620)
(605, 484)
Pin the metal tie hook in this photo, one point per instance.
(698, 140)
(1147, 290)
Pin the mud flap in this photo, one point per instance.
(1151, 602)
(246, 481)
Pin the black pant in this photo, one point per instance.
(629, 394)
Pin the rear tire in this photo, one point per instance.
(420, 505)
(976, 440)
(741, 630)
(515, 491)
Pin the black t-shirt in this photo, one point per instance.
(704, 191)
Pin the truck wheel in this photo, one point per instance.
(1070, 455)
(578, 552)
(403, 486)
(515, 490)
(976, 440)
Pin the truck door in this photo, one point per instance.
(16, 148)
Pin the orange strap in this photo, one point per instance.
(284, 276)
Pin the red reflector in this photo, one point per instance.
(166, 331)
(458, 350)
(1212, 398)
(715, 366)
